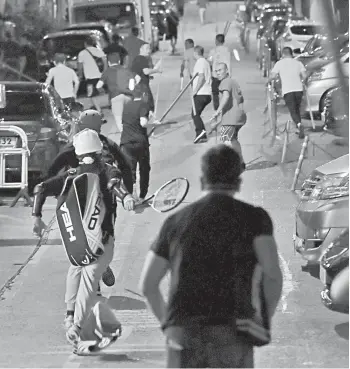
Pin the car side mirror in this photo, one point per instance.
(297, 51)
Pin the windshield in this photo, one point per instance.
(304, 30)
(94, 28)
(266, 16)
(25, 104)
(121, 14)
(70, 45)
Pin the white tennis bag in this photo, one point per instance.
(80, 217)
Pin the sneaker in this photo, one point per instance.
(301, 131)
(108, 277)
(73, 335)
(68, 321)
(200, 135)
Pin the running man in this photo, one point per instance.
(292, 74)
(65, 80)
(88, 67)
(214, 248)
(231, 108)
(82, 281)
(189, 60)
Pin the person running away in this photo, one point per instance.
(85, 218)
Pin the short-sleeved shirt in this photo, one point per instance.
(132, 45)
(90, 67)
(220, 54)
(232, 114)
(290, 72)
(64, 79)
(202, 66)
(133, 132)
(189, 60)
(209, 246)
(139, 64)
(117, 79)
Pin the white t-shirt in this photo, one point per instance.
(290, 71)
(64, 79)
(202, 66)
(90, 67)
(220, 54)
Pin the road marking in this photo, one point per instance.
(288, 285)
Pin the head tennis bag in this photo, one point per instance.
(80, 217)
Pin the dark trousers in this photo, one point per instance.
(148, 96)
(207, 347)
(200, 102)
(138, 153)
(215, 83)
(293, 101)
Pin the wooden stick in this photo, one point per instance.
(286, 142)
(300, 162)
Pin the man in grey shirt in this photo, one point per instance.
(233, 116)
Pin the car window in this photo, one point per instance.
(23, 104)
(303, 30)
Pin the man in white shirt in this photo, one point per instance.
(87, 65)
(221, 54)
(292, 73)
(65, 80)
(201, 92)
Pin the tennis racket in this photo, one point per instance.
(169, 196)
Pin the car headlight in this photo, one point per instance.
(337, 251)
(331, 187)
(315, 76)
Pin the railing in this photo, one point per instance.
(24, 152)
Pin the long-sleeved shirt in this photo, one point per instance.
(107, 174)
(111, 154)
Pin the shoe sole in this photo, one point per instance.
(199, 136)
(108, 277)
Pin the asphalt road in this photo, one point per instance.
(305, 334)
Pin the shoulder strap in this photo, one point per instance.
(92, 55)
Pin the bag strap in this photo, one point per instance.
(93, 56)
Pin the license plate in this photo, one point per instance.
(8, 141)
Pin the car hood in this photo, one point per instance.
(339, 165)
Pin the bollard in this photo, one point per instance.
(300, 162)
(286, 141)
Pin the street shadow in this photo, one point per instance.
(312, 269)
(125, 303)
(342, 330)
(261, 165)
(117, 358)
(139, 209)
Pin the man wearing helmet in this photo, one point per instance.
(87, 234)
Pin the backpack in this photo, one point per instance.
(80, 216)
(99, 61)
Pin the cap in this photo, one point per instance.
(91, 119)
(87, 141)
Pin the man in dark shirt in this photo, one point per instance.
(134, 140)
(143, 67)
(132, 44)
(116, 48)
(214, 248)
(111, 151)
(28, 60)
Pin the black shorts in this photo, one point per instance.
(228, 133)
(93, 82)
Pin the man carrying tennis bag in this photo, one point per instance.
(85, 218)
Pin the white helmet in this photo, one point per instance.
(87, 141)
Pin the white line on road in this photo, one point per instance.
(288, 285)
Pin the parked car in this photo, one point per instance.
(323, 211)
(334, 274)
(158, 17)
(296, 35)
(103, 26)
(334, 116)
(268, 50)
(318, 47)
(260, 6)
(70, 43)
(40, 112)
(322, 80)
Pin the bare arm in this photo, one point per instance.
(76, 83)
(154, 270)
(223, 102)
(49, 77)
(201, 81)
(266, 252)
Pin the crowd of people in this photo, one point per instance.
(205, 324)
